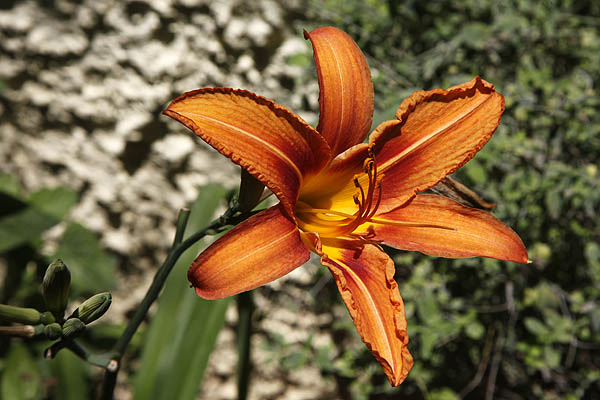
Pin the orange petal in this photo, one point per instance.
(273, 144)
(365, 278)
(436, 133)
(255, 252)
(469, 232)
(346, 88)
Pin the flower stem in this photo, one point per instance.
(245, 305)
(230, 217)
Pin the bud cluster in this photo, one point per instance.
(51, 324)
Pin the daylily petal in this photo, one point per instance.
(257, 251)
(449, 230)
(273, 144)
(365, 278)
(346, 88)
(436, 133)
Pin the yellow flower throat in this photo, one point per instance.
(332, 223)
(335, 224)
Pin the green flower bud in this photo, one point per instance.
(93, 308)
(53, 331)
(55, 288)
(72, 328)
(20, 314)
(47, 318)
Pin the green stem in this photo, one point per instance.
(230, 217)
(156, 286)
(80, 351)
(245, 305)
(94, 359)
(182, 220)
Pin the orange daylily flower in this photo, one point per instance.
(340, 197)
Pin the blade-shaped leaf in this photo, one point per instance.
(55, 202)
(184, 330)
(71, 373)
(22, 227)
(92, 268)
(21, 379)
(9, 184)
(21, 224)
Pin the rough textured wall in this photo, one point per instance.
(84, 86)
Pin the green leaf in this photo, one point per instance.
(71, 374)
(184, 330)
(47, 208)
(476, 172)
(428, 307)
(428, 339)
(21, 379)
(536, 327)
(554, 200)
(92, 269)
(55, 202)
(443, 394)
(23, 227)
(474, 330)
(9, 185)
(475, 34)
(551, 357)
(299, 60)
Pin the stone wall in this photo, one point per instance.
(83, 87)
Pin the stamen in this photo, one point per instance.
(332, 223)
(328, 211)
(362, 195)
(324, 212)
(410, 224)
(374, 210)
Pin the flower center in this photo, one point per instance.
(332, 223)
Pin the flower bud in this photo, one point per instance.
(53, 331)
(55, 288)
(93, 308)
(20, 314)
(47, 318)
(72, 328)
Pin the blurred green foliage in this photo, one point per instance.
(184, 330)
(483, 328)
(164, 349)
(25, 219)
